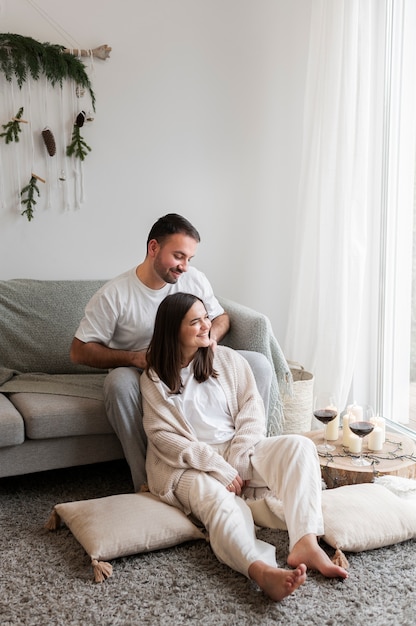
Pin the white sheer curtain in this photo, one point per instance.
(396, 217)
(337, 191)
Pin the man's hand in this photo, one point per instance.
(219, 328)
(139, 359)
(213, 344)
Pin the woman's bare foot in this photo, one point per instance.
(275, 582)
(308, 551)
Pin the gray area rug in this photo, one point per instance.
(46, 578)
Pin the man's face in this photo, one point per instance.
(172, 257)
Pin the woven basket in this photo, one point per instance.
(298, 408)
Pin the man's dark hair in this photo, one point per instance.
(172, 224)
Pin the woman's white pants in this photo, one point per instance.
(288, 465)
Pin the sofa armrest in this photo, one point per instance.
(12, 429)
(251, 330)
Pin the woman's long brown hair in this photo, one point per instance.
(164, 351)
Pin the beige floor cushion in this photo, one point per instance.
(121, 525)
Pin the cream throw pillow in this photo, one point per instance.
(366, 516)
(356, 517)
(121, 525)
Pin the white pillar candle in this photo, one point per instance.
(332, 428)
(354, 443)
(357, 411)
(375, 439)
(381, 423)
(346, 430)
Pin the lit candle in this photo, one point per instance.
(375, 439)
(332, 426)
(381, 423)
(354, 443)
(346, 430)
(357, 411)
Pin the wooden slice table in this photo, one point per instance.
(398, 458)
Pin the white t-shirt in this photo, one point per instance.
(204, 406)
(122, 313)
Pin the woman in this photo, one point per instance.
(205, 424)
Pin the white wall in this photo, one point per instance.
(199, 111)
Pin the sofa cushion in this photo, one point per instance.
(47, 416)
(12, 430)
(38, 319)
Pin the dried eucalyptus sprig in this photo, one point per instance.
(12, 128)
(30, 201)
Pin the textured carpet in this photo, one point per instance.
(46, 578)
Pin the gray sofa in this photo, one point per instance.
(52, 413)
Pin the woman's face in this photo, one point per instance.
(194, 330)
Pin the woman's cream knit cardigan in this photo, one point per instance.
(173, 452)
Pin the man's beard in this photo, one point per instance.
(166, 274)
(169, 278)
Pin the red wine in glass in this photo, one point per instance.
(362, 429)
(325, 416)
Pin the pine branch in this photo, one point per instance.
(12, 128)
(78, 147)
(30, 201)
(23, 57)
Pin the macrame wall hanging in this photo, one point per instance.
(47, 97)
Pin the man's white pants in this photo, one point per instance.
(288, 465)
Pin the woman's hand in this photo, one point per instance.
(236, 486)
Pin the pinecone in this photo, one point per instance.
(49, 140)
(80, 119)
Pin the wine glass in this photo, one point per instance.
(325, 411)
(368, 413)
(362, 429)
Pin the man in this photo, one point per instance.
(118, 324)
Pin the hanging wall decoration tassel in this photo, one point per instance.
(23, 60)
(49, 141)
